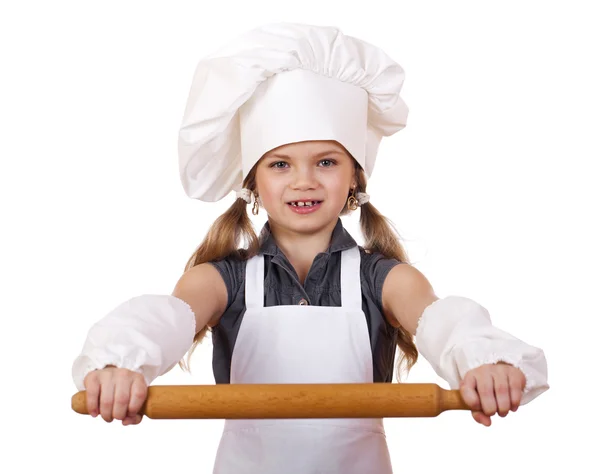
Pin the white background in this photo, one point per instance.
(493, 185)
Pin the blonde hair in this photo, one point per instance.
(234, 226)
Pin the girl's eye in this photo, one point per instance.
(328, 164)
(328, 161)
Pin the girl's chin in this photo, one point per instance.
(303, 221)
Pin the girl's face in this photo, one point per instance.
(304, 186)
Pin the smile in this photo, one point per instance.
(304, 207)
(304, 203)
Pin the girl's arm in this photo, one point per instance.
(203, 288)
(456, 336)
(150, 334)
(405, 295)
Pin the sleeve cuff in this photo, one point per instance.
(530, 360)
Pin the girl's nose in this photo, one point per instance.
(304, 179)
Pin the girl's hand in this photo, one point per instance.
(491, 389)
(116, 394)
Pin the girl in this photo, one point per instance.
(290, 116)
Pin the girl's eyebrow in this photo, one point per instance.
(318, 155)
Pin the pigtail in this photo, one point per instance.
(223, 240)
(381, 236)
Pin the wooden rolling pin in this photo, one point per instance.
(247, 401)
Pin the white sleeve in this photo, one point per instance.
(148, 334)
(455, 334)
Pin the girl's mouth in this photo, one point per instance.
(304, 207)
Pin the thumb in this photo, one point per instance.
(132, 419)
(481, 418)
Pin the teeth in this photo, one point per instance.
(304, 203)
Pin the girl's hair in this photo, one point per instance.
(234, 225)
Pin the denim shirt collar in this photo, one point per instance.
(340, 240)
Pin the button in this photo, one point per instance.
(303, 302)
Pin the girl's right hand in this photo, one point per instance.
(116, 394)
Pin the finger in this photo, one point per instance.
(516, 385)
(139, 391)
(485, 389)
(132, 420)
(107, 392)
(501, 391)
(92, 391)
(469, 393)
(482, 418)
(122, 391)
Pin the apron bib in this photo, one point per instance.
(303, 344)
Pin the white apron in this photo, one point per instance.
(303, 344)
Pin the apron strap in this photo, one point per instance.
(350, 279)
(255, 282)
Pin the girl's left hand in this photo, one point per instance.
(491, 389)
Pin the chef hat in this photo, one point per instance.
(279, 84)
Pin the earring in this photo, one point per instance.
(352, 202)
(255, 206)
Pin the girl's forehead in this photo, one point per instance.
(307, 148)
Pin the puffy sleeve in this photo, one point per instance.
(456, 334)
(148, 334)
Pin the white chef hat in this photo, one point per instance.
(279, 84)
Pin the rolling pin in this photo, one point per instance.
(249, 401)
